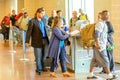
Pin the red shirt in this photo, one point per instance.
(6, 20)
(18, 16)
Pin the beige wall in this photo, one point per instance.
(115, 19)
(31, 8)
(2, 11)
(20, 5)
(6, 6)
(100, 5)
(48, 5)
(52, 4)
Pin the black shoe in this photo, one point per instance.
(114, 77)
(45, 70)
(38, 72)
(92, 77)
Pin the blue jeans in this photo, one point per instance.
(40, 56)
(62, 62)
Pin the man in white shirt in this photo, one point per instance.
(100, 57)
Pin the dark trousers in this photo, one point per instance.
(111, 61)
(6, 33)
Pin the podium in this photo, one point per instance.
(80, 58)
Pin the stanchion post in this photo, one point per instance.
(24, 47)
(11, 40)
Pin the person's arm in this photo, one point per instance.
(98, 31)
(18, 16)
(59, 34)
(64, 22)
(87, 18)
(50, 21)
(97, 35)
(29, 31)
(110, 29)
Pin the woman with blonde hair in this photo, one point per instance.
(57, 48)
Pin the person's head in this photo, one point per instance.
(59, 13)
(43, 10)
(25, 14)
(13, 11)
(81, 11)
(58, 22)
(39, 13)
(53, 13)
(74, 13)
(105, 15)
(23, 10)
(99, 16)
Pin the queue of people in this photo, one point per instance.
(52, 46)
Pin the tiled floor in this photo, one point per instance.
(13, 68)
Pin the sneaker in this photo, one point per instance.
(92, 77)
(39, 73)
(115, 74)
(113, 77)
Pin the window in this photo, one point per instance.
(86, 5)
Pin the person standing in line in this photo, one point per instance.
(100, 57)
(72, 22)
(59, 14)
(83, 16)
(16, 29)
(57, 49)
(110, 43)
(50, 20)
(39, 39)
(45, 19)
(23, 26)
(12, 17)
(6, 23)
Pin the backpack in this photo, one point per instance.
(87, 35)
